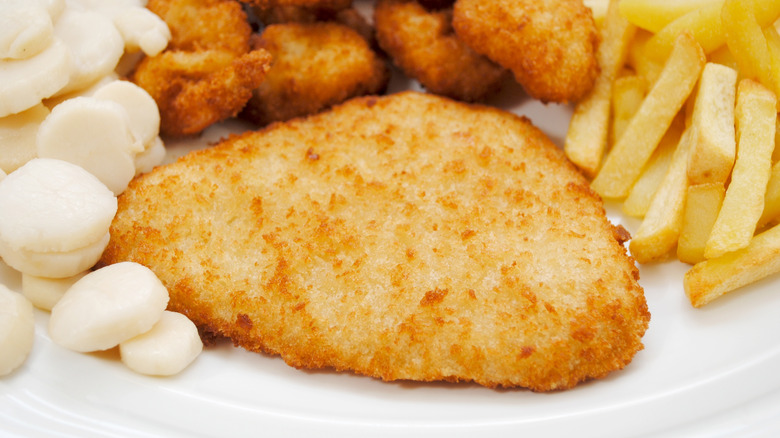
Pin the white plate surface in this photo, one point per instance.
(713, 371)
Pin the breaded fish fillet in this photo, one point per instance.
(550, 45)
(400, 237)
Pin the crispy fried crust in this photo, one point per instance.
(316, 65)
(349, 17)
(424, 46)
(207, 72)
(549, 45)
(401, 237)
(329, 4)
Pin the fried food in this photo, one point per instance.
(549, 45)
(423, 45)
(349, 17)
(402, 237)
(328, 4)
(316, 65)
(208, 71)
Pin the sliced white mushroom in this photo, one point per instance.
(51, 205)
(139, 104)
(169, 347)
(94, 134)
(25, 29)
(108, 306)
(94, 43)
(54, 264)
(18, 136)
(17, 329)
(153, 156)
(25, 82)
(44, 292)
(143, 29)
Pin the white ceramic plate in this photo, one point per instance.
(703, 372)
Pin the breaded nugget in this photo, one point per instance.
(329, 4)
(208, 71)
(402, 237)
(316, 65)
(550, 45)
(349, 17)
(423, 45)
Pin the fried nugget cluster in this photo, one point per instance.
(423, 44)
(208, 71)
(263, 60)
(274, 60)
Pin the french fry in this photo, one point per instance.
(660, 229)
(638, 200)
(638, 60)
(702, 204)
(776, 152)
(708, 25)
(654, 15)
(771, 198)
(756, 115)
(587, 136)
(628, 92)
(712, 278)
(773, 44)
(713, 147)
(703, 23)
(747, 42)
(629, 155)
(723, 56)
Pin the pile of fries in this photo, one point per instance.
(681, 127)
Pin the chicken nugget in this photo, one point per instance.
(328, 4)
(402, 237)
(208, 71)
(549, 45)
(423, 45)
(316, 65)
(349, 17)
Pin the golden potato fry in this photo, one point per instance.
(629, 155)
(703, 23)
(723, 56)
(658, 233)
(587, 136)
(628, 92)
(776, 152)
(654, 15)
(712, 278)
(773, 44)
(714, 145)
(746, 41)
(771, 198)
(641, 195)
(702, 204)
(756, 115)
(638, 60)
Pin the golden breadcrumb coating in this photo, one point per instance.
(208, 71)
(329, 4)
(316, 65)
(423, 45)
(401, 237)
(549, 45)
(349, 17)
